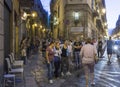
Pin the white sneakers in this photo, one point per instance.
(92, 83)
(62, 73)
(50, 81)
(68, 73)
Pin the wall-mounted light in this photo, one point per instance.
(105, 24)
(25, 15)
(76, 15)
(40, 26)
(44, 30)
(34, 14)
(35, 24)
(103, 10)
(56, 22)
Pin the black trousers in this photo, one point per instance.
(64, 64)
(57, 67)
(100, 52)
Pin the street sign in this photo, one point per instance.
(76, 29)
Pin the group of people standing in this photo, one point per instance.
(57, 59)
(61, 54)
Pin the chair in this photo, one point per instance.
(8, 77)
(14, 71)
(17, 63)
(13, 56)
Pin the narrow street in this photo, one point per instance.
(41, 42)
(105, 75)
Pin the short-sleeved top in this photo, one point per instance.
(23, 52)
(88, 52)
(77, 44)
(50, 53)
(109, 44)
(64, 52)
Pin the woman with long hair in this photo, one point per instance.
(57, 58)
(50, 62)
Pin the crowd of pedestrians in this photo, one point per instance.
(62, 56)
(28, 47)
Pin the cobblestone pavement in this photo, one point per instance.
(105, 75)
(35, 74)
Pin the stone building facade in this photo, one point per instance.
(116, 31)
(9, 11)
(78, 18)
(41, 20)
(1, 37)
(57, 18)
(10, 28)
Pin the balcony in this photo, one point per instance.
(95, 13)
(26, 3)
(99, 23)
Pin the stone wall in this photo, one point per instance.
(1, 36)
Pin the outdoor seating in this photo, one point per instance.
(16, 59)
(9, 78)
(15, 63)
(16, 71)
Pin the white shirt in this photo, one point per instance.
(57, 52)
(23, 52)
(69, 48)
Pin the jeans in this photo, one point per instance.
(77, 58)
(50, 70)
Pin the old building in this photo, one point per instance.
(57, 18)
(12, 28)
(8, 17)
(82, 18)
(1, 36)
(116, 30)
(30, 7)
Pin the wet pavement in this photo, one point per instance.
(106, 75)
